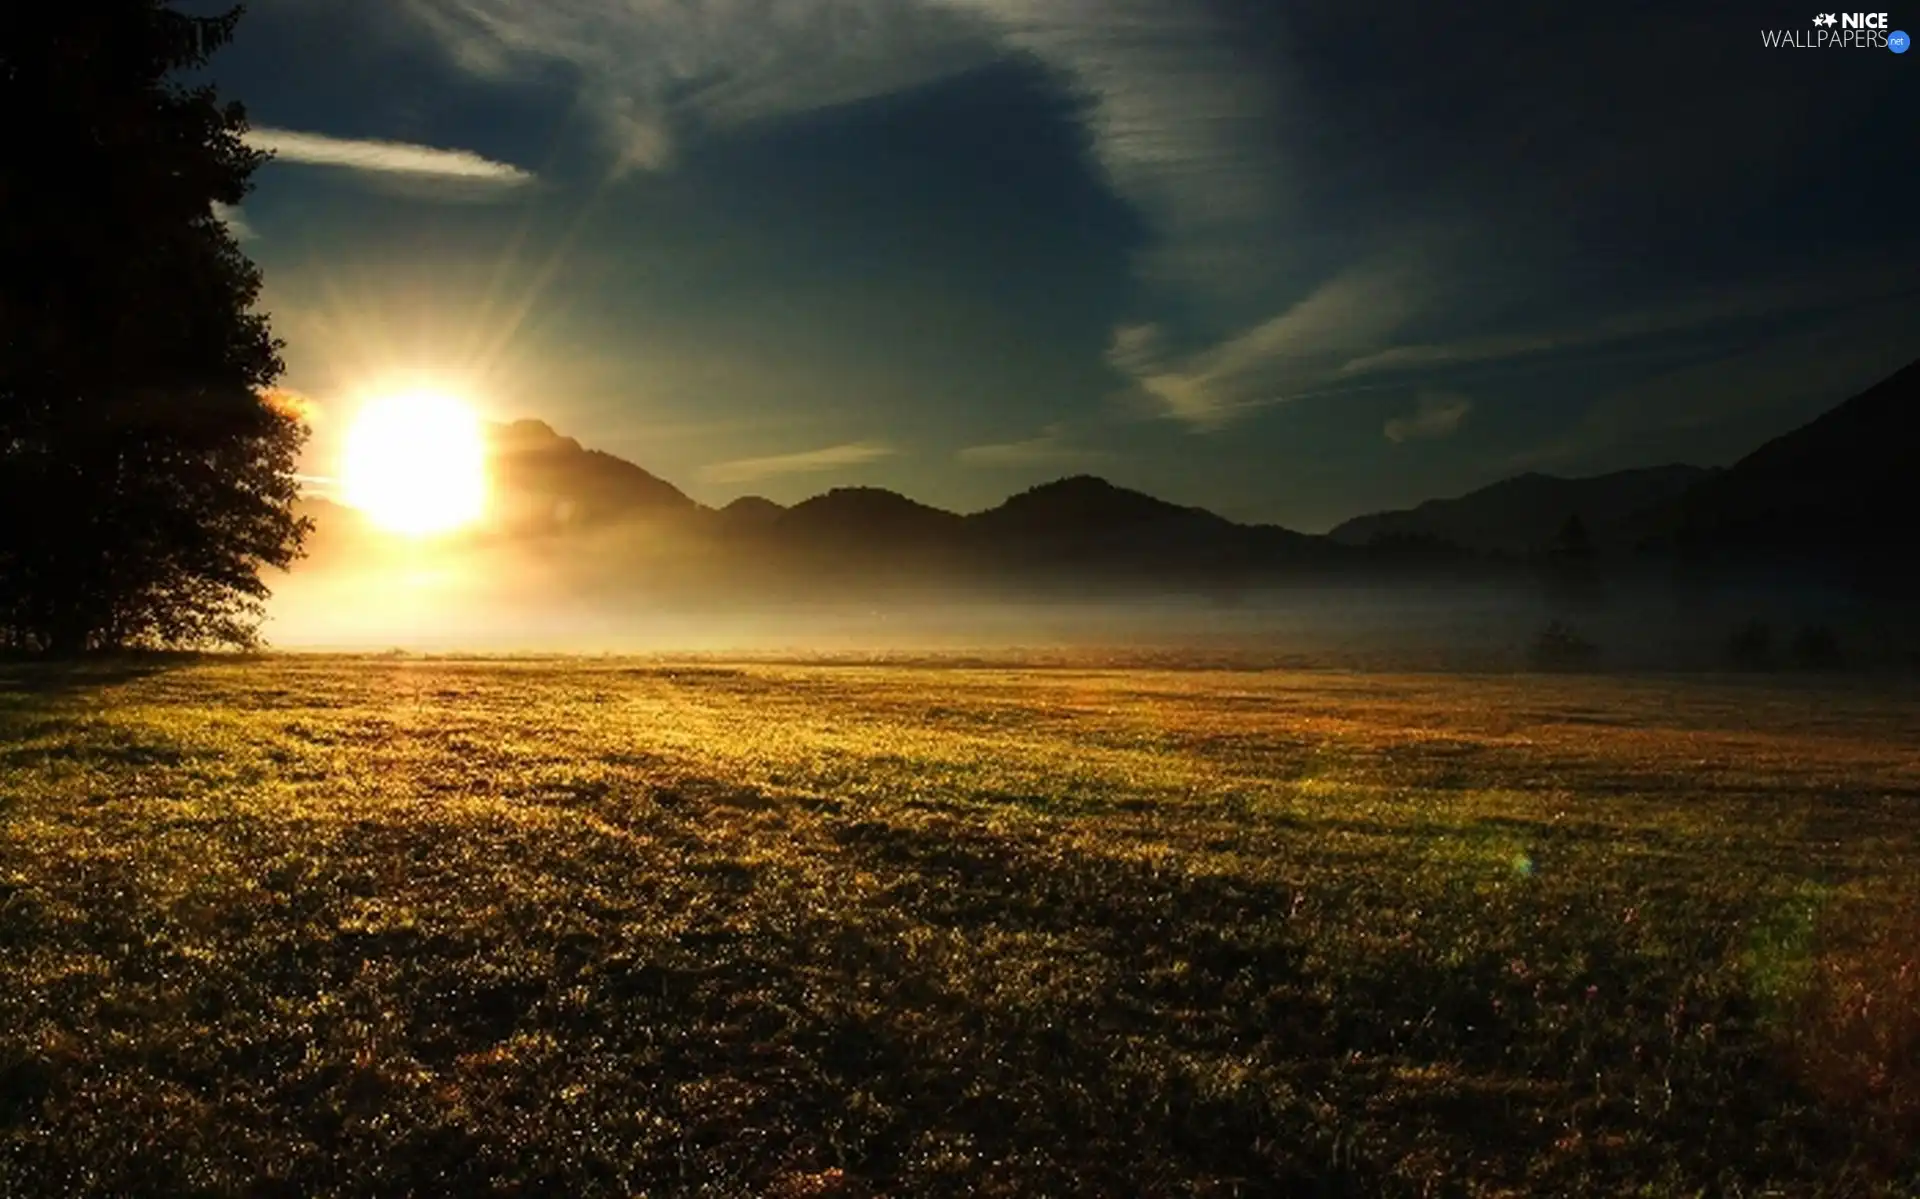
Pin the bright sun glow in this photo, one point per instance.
(416, 463)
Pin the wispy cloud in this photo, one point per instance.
(1186, 127)
(1277, 359)
(1344, 331)
(833, 457)
(388, 158)
(322, 487)
(1181, 122)
(1136, 349)
(1051, 448)
(1459, 353)
(235, 221)
(644, 67)
(1438, 414)
(1846, 284)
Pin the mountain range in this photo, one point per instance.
(1835, 501)
(1836, 496)
(1523, 513)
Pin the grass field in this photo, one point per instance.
(313, 926)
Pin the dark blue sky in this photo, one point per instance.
(1289, 261)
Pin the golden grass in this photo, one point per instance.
(343, 926)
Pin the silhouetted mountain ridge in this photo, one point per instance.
(1086, 505)
(542, 477)
(1521, 514)
(1839, 490)
(865, 511)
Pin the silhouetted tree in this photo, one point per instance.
(1751, 646)
(1560, 647)
(145, 476)
(1569, 564)
(1816, 648)
(1573, 543)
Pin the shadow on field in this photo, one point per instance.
(37, 677)
(41, 700)
(1295, 1036)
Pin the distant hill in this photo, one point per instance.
(1085, 506)
(1521, 514)
(1842, 489)
(865, 515)
(334, 528)
(1837, 496)
(1086, 524)
(750, 512)
(1080, 522)
(1835, 500)
(543, 478)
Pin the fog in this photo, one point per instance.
(512, 598)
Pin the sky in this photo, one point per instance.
(1291, 261)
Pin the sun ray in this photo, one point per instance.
(496, 346)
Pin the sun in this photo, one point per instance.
(416, 463)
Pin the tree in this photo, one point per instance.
(1572, 574)
(146, 472)
(1572, 543)
(1560, 647)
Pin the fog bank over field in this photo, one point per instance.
(1793, 555)
(465, 607)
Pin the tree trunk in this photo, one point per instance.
(68, 638)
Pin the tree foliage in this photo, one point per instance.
(146, 476)
(1570, 565)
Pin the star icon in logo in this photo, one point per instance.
(1827, 19)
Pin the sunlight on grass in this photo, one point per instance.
(585, 926)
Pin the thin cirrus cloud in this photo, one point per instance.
(388, 158)
(1050, 448)
(235, 220)
(1349, 328)
(1845, 284)
(1182, 124)
(1276, 360)
(1179, 122)
(833, 457)
(1436, 415)
(643, 67)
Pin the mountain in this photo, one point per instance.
(335, 530)
(1835, 500)
(1084, 507)
(749, 512)
(542, 478)
(1082, 523)
(1842, 489)
(1521, 514)
(843, 542)
(1087, 525)
(865, 514)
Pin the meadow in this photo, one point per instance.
(353, 926)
